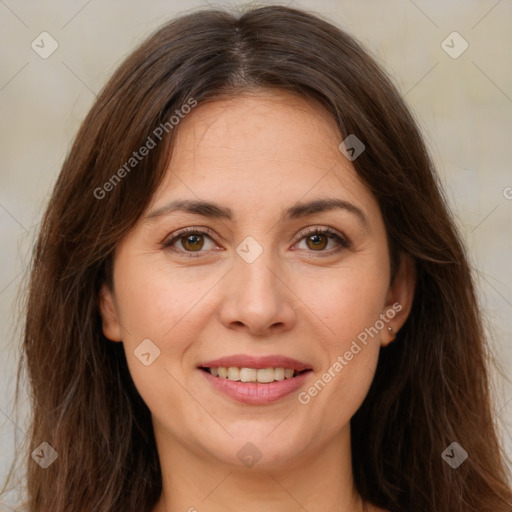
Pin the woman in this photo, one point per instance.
(248, 291)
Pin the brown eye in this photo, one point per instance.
(192, 242)
(323, 241)
(317, 241)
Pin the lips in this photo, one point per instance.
(256, 393)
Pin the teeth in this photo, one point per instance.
(248, 374)
(262, 375)
(279, 373)
(234, 373)
(265, 375)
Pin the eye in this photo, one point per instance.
(191, 240)
(317, 239)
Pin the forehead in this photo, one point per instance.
(257, 149)
(258, 126)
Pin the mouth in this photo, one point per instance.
(254, 392)
(255, 380)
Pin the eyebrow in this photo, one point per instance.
(215, 211)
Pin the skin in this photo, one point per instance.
(258, 154)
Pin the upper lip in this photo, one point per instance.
(248, 361)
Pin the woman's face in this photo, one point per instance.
(252, 284)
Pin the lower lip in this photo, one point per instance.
(255, 393)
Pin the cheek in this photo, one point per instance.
(163, 307)
(349, 363)
(349, 302)
(347, 299)
(169, 307)
(158, 301)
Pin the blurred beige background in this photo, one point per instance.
(461, 97)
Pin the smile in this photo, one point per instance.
(249, 389)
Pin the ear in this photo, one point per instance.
(109, 318)
(399, 299)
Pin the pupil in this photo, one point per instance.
(317, 240)
(192, 240)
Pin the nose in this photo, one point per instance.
(257, 298)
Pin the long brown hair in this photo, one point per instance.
(431, 385)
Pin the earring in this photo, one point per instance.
(390, 330)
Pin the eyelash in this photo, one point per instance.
(343, 242)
